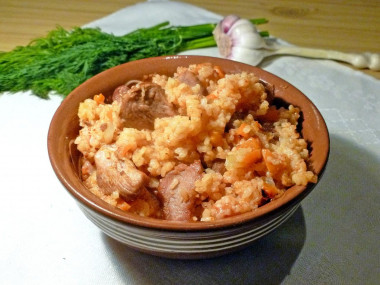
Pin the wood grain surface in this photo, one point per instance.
(349, 26)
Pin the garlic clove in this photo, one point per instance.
(246, 55)
(240, 27)
(228, 22)
(223, 41)
(250, 40)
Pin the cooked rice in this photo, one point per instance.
(262, 153)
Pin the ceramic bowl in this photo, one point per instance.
(184, 240)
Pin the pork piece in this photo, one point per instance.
(176, 191)
(141, 104)
(269, 89)
(119, 92)
(188, 78)
(191, 79)
(238, 115)
(113, 174)
(219, 166)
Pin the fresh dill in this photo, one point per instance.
(64, 59)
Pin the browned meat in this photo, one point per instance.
(118, 175)
(269, 89)
(238, 115)
(191, 79)
(122, 89)
(119, 92)
(188, 78)
(219, 166)
(176, 191)
(142, 103)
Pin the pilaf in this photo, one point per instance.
(200, 145)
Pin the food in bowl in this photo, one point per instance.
(200, 145)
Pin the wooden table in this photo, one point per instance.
(350, 26)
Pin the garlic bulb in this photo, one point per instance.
(238, 39)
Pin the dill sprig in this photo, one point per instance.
(63, 59)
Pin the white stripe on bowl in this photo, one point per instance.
(199, 242)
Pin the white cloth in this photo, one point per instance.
(332, 239)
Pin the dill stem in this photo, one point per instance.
(63, 59)
(199, 43)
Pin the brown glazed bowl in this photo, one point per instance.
(182, 240)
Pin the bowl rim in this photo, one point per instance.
(292, 196)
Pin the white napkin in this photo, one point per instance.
(331, 239)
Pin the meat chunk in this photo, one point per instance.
(219, 166)
(269, 89)
(191, 79)
(188, 78)
(238, 115)
(118, 175)
(176, 191)
(119, 92)
(142, 103)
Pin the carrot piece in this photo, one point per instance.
(243, 130)
(122, 205)
(270, 190)
(272, 115)
(255, 153)
(85, 170)
(275, 164)
(199, 66)
(252, 157)
(260, 168)
(268, 158)
(219, 71)
(253, 143)
(212, 96)
(99, 99)
(109, 114)
(123, 150)
(216, 138)
(257, 125)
